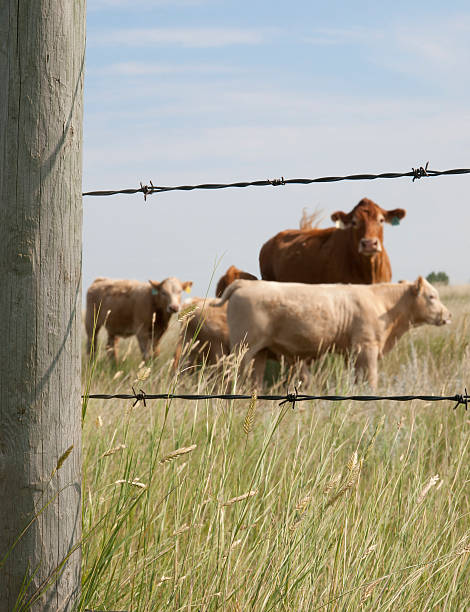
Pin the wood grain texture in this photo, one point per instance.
(42, 46)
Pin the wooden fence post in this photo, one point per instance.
(42, 47)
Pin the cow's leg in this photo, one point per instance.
(304, 373)
(111, 348)
(259, 367)
(366, 364)
(145, 340)
(259, 355)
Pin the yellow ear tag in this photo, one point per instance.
(188, 289)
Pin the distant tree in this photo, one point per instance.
(438, 278)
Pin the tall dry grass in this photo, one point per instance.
(252, 506)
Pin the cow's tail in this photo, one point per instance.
(228, 291)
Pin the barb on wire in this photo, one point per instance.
(292, 398)
(276, 182)
(461, 399)
(146, 190)
(139, 397)
(420, 172)
(416, 173)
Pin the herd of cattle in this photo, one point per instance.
(322, 290)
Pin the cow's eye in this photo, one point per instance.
(354, 223)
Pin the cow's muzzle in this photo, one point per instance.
(369, 246)
(445, 318)
(173, 308)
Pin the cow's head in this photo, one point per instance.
(167, 294)
(365, 221)
(427, 306)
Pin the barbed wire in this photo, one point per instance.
(415, 173)
(293, 398)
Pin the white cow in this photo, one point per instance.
(303, 321)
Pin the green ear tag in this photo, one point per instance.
(395, 221)
(154, 291)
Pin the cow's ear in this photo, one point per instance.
(341, 219)
(155, 287)
(394, 216)
(418, 285)
(187, 286)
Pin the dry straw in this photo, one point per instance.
(177, 453)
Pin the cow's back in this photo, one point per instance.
(319, 256)
(295, 318)
(305, 256)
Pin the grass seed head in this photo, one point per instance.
(369, 590)
(303, 503)
(135, 483)
(116, 449)
(142, 374)
(332, 483)
(250, 415)
(240, 498)
(177, 453)
(182, 529)
(425, 490)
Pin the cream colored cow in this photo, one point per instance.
(303, 321)
(131, 307)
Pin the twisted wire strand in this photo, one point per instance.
(289, 397)
(415, 173)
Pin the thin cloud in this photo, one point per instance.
(134, 69)
(182, 37)
(97, 5)
(430, 50)
(342, 36)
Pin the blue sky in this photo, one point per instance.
(187, 91)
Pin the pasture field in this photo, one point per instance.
(217, 505)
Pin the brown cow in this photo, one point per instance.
(304, 321)
(130, 307)
(351, 253)
(231, 275)
(206, 332)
